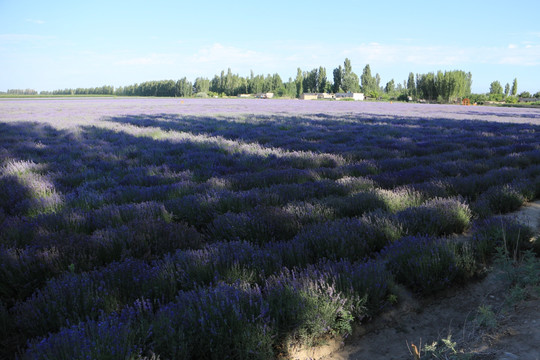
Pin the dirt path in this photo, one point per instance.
(516, 336)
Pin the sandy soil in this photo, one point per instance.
(420, 322)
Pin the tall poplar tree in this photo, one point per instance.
(411, 87)
(369, 83)
(349, 80)
(321, 80)
(299, 80)
(338, 74)
(514, 87)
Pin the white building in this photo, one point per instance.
(349, 95)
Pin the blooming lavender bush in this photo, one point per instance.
(24, 269)
(352, 238)
(304, 307)
(224, 261)
(261, 225)
(226, 321)
(436, 217)
(75, 297)
(499, 199)
(119, 335)
(365, 285)
(424, 264)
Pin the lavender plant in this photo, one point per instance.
(436, 217)
(235, 321)
(119, 335)
(509, 234)
(425, 264)
(352, 238)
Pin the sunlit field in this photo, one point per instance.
(210, 229)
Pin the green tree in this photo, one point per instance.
(338, 74)
(369, 83)
(228, 83)
(349, 80)
(299, 80)
(425, 85)
(321, 80)
(184, 88)
(514, 87)
(506, 89)
(495, 88)
(309, 83)
(290, 88)
(390, 87)
(201, 85)
(411, 87)
(277, 83)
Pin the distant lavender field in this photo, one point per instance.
(86, 109)
(208, 229)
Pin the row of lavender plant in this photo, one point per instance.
(75, 297)
(246, 317)
(109, 183)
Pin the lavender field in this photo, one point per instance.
(210, 229)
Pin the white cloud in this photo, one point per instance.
(445, 55)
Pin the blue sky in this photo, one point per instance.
(47, 45)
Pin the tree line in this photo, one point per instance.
(442, 87)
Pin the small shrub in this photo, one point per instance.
(401, 198)
(366, 285)
(310, 212)
(486, 317)
(25, 269)
(349, 238)
(356, 184)
(196, 210)
(500, 199)
(365, 201)
(495, 232)
(119, 335)
(223, 261)
(436, 217)
(226, 321)
(75, 297)
(424, 264)
(261, 225)
(466, 259)
(304, 307)
(356, 204)
(149, 239)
